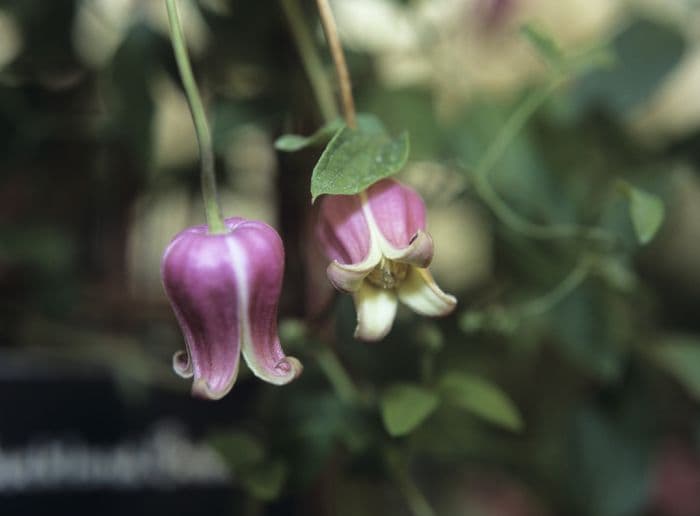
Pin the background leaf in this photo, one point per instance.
(646, 212)
(265, 481)
(295, 142)
(482, 398)
(239, 449)
(405, 406)
(681, 358)
(646, 51)
(608, 472)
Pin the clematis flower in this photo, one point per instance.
(379, 252)
(224, 289)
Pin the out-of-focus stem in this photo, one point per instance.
(415, 499)
(336, 374)
(311, 60)
(341, 67)
(194, 99)
(545, 303)
(494, 152)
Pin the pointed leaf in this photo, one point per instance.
(482, 398)
(295, 142)
(405, 406)
(646, 211)
(265, 481)
(238, 449)
(545, 45)
(356, 158)
(681, 359)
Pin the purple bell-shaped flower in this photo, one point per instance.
(379, 251)
(224, 289)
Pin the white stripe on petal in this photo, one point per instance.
(376, 310)
(420, 293)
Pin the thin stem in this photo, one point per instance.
(336, 374)
(341, 67)
(546, 302)
(206, 152)
(495, 151)
(311, 60)
(415, 499)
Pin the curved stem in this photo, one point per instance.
(493, 153)
(341, 67)
(311, 60)
(194, 99)
(546, 302)
(336, 374)
(415, 499)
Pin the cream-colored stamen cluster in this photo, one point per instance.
(388, 274)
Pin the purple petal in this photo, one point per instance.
(398, 211)
(201, 286)
(258, 255)
(345, 237)
(342, 229)
(224, 289)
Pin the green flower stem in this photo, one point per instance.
(545, 303)
(311, 60)
(495, 151)
(336, 374)
(194, 99)
(341, 67)
(427, 366)
(416, 500)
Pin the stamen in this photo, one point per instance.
(388, 274)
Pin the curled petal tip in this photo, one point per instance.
(290, 369)
(348, 278)
(282, 372)
(418, 253)
(182, 365)
(420, 292)
(376, 311)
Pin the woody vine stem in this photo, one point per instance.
(212, 209)
(341, 68)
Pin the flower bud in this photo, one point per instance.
(224, 290)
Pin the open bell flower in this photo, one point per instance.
(224, 290)
(379, 251)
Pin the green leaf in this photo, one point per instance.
(356, 158)
(646, 211)
(265, 481)
(646, 52)
(482, 398)
(607, 470)
(405, 406)
(545, 45)
(238, 449)
(295, 142)
(587, 326)
(681, 358)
